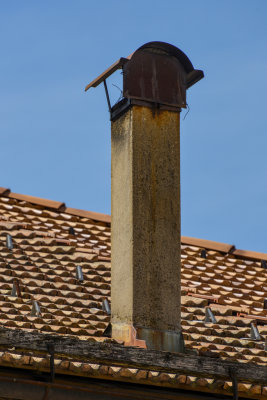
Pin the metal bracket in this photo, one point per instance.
(51, 351)
(46, 394)
(117, 65)
(16, 292)
(232, 373)
(209, 316)
(106, 307)
(107, 96)
(254, 332)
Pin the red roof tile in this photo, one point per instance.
(208, 244)
(4, 191)
(57, 205)
(88, 214)
(250, 254)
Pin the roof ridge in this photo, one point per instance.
(250, 254)
(61, 207)
(55, 205)
(223, 247)
(4, 191)
(208, 244)
(88, 214)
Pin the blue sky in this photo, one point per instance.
(55, 139)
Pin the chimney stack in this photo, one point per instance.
(145, 195)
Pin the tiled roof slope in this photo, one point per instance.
(50, 240)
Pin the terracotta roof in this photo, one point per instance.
(49, 240)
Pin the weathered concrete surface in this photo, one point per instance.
(145, 212)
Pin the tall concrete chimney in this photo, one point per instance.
(145, 195)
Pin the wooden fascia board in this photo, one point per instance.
(109, 353)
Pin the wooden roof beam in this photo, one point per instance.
(111, 353)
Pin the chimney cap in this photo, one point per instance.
(157, 48)
(170, 50)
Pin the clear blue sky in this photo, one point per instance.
(55, 139)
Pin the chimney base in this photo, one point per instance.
(149, 338)
(162, 340)
(127, 334)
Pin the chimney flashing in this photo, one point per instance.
(162, 339)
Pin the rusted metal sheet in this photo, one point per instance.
(158, 340)
(157, 72)
(156, 78)
(192, 75)
(117, 65)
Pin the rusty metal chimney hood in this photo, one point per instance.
(157, 74)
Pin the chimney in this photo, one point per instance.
(145, 195)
